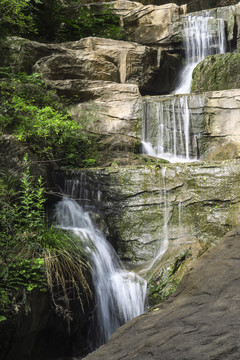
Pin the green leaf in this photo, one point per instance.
(2, 318)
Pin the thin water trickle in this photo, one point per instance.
(119, 294)
(164, 204)
(180, 214)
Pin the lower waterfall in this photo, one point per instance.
(119, 294)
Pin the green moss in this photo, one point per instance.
(217, 72)
(165, 283)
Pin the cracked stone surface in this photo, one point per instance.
(199, 321)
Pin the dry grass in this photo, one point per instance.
(66, 277)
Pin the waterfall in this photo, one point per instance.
(166, 129)
(170, 136)
(203, 35)
(119, 294)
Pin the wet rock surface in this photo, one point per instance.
(209, 132)
(182, 209)
(199, 321)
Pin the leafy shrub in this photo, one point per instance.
(55, 20)
(16, 17)
(34, 115)
(33, 253)
(88, 22)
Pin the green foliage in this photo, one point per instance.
(21, 231)
(35, 116)
(55, 20)
(33, 253)
(17, 17)
(24, 273)
(2, 318)
(88, 22)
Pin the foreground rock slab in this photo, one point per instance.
(200, 320)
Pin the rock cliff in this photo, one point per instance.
(161, 217)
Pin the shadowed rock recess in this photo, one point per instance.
(199, 321)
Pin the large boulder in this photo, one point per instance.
(222, 123)
(113, 60)
(200, 321)
(162, 25)
(152, 69)
(78, 65)
(154, 25)
(116, 108)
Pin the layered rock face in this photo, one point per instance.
(104, 79)
(156, 25)
(99, 75)
(210, 135)
(162, 216)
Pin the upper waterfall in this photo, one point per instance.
(203, 35)
(172, 136)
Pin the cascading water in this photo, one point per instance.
(203, 35)
(169, 139)
(119, 294)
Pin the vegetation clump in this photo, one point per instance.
(56, 20)
(34, 115)
(33, 253)
(166, 282)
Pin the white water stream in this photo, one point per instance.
(119, 294)
(164, 203)
(203, 35)
(171, 132)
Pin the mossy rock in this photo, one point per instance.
(217, 72)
